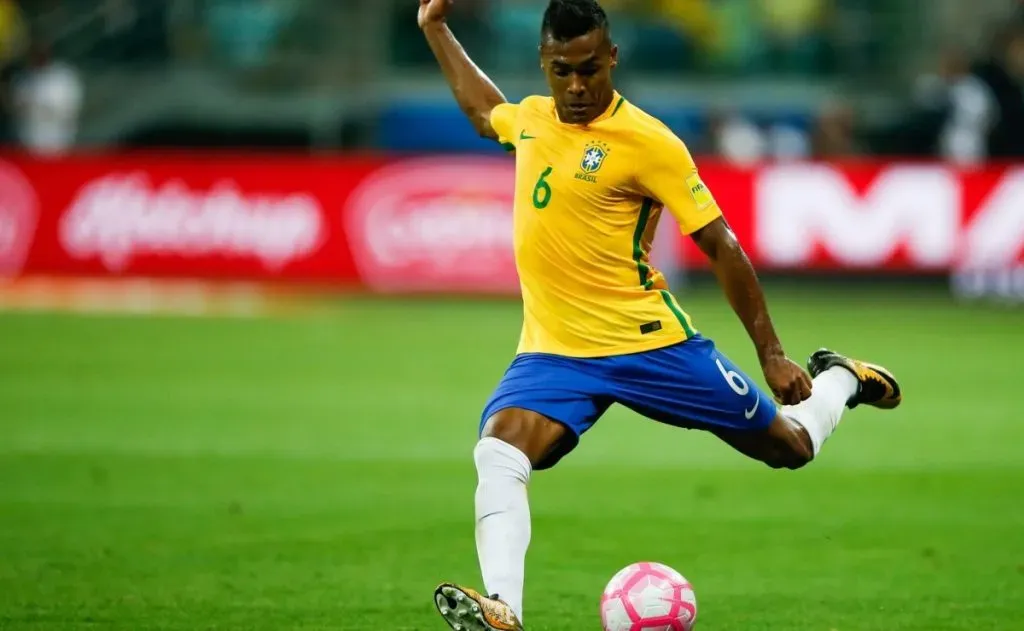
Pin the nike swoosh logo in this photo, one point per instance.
(752, 411)
(524, 136)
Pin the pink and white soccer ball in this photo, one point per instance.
(648, 597)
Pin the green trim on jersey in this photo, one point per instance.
(680, 315)
(509, 147)
(622, 100)
(644, 270)
(638, 251)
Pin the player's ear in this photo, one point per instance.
(614, 55)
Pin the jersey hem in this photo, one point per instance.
(612, 351)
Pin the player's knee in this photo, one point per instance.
(792, 447)
(533, 434)
(509, 427)
(789, 454)
(799, 461)
(796, 456)
(789, 461)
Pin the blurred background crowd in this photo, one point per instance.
(745, 79)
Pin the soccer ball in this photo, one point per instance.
(648, 597)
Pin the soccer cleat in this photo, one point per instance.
(876, 385)
(466, 610)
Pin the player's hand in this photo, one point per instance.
(433, 11)
(788, 381)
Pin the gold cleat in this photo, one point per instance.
(877, 386)
(465, 609)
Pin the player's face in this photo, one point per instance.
(579, 73)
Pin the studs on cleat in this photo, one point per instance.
(466, 610)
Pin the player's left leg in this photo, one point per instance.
(798, 432)
(693, 385)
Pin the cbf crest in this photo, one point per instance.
(593, 157)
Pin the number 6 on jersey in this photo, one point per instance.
(542, 190)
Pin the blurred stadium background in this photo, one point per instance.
(256, 284)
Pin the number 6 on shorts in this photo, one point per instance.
(736, 381)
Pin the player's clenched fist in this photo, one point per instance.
(789, 382)
(432, 11)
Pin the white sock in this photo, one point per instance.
(820, 414)
(502, 519)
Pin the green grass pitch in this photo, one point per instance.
(316, 473)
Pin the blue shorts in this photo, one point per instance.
(689, 385)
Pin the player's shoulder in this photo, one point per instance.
(645, 126)
(535, 104)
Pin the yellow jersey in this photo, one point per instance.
(587, 202)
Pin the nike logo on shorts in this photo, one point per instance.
(752, 411)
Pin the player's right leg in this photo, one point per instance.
(535, 417)
(513, 442)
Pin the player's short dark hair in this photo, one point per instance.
(568, 19)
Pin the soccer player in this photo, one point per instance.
(593, 175)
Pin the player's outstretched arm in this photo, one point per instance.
(474, 91)
(666, 172)
(739, 281)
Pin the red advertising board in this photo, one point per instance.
(875, 217)
(444, 224)
(441, 225)
(178, 215)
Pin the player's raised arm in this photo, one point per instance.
(474, 91)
